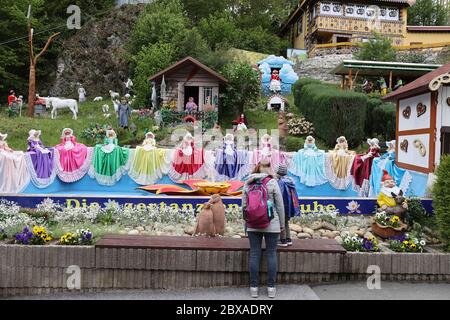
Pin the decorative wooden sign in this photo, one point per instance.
(404, 145)
(407, 112)
(422, 149)
(421, 109)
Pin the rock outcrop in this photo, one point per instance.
(95, 56)
(320, 67)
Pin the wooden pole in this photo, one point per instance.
(390, 80)
(350, 79)
(343, 82)
(33, 62)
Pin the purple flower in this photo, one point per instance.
(368, 245)
(400, 238)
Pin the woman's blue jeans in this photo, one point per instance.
(271, 240)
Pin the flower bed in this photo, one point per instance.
(356, 243)
(298, 126)
(152, 220)
(406, 243)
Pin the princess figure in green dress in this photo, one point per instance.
(110, 161)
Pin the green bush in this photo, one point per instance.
(334, 112)
(417, 214)
(294, 144)
(441, 200)
(297, 87)
(380, 119)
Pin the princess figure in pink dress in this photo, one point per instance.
(269, 153)
(73, 158)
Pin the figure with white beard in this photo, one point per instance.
(389, 192)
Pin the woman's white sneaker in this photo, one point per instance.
(254, 292)
(271, 292)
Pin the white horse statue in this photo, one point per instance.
(58, 103)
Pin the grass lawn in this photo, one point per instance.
(89, 113)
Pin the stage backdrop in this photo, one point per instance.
(345, 206)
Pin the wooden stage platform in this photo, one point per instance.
(216, 244)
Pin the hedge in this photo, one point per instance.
(441, 200)
(380, 119)
(334, 112)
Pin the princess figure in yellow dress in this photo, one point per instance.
(150, 163)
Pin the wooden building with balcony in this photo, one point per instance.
(342, 25)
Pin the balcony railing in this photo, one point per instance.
(355, 25)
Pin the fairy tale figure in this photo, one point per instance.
(188, 162)
(73, 158)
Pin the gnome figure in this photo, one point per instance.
(390, 192)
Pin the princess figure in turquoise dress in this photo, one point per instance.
(309, 164)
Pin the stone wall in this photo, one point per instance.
(29, 270)
(319, 67)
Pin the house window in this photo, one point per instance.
(445, 140)
(207, 96)
(299, 26)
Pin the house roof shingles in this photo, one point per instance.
(419, 85)
(186, 61)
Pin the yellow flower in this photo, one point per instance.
(405, 242)
(395, 219)
(413, 246)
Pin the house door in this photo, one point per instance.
(191, 92)
(445, 140)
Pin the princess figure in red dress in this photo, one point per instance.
(275, 81)
(362, 168)
(189, 161)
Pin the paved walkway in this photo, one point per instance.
(341, 291)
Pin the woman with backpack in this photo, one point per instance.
(263, 211)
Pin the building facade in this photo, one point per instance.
(189, 78)
(423, 120)
(317, 22)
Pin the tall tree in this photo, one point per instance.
(199, 9)
(428, 13)
(14, 45)
(378, 48)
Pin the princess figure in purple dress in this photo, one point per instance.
(40, 161)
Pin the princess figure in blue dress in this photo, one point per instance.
(231, 164)
(309, 164)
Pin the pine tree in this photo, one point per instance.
(441, 200)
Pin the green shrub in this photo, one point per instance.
(380, 119)
(299, 85)
(334, 112)
(441, 200)
(294, 144)
(417, 214)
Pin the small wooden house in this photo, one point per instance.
(190, 78)
(423, 120)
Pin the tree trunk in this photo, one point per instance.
(32, 90)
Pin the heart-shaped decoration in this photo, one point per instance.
(421, 109)
(404, 145)
(407, 112)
